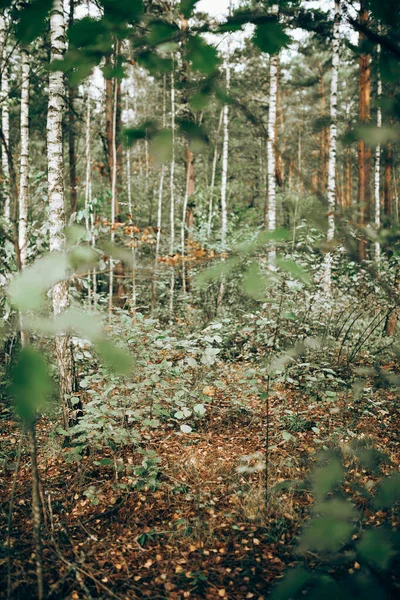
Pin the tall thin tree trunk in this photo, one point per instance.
(24, 158)
(113, 201)
(89, 217)
(271, 143)
(378, 160)
(172, 197)
(130, 213)
(324, 134)
(224, 180)
(387, 187)
(24, 173)
(158, 238)
(36, 511)
(64, 354)
(364, 153)
(71, 133)
(348, 179)
(183, 224)
(332, 146)
(213, 172)
(5, 119)
(109, 110)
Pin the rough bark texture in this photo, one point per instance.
(225, 149)
(71, 133)
(378, 162)
(271, 197)
(56, 107)
(364, 153)
(24, 159)
(324, 135)
(213, 172)
(36, 511)
(224, 179)
(5, 119)
(387, 188)
(172, 198)
(332, 145)
(109, 119)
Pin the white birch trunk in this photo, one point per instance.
(378, 160)
(89, 217)
(332, 147)
(158, 237)
(5, 118)
(130, 210)
(224, 179)
(185, 203)
(24, 159)
(113, 197)
(24, 175)
(172, 198)
(213, 172)
(225, 149)
(271, 144)
(56, 108)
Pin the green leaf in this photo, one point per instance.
(32, 20)
(326, 477)
(116, 11)
(288, 437)
(270, 36)
(254, 283)
(388, 492)
(200, 409)
(294, 269)
(31, 384)
(329, 531)
(82, 259)
(373, 135)
(215, 272)
(186, 429)
(118, 253)
(293, 582)
(160, 32)
(133, 134)
(375, 547)
(161, 146)
(195, 133)
(186, 7)
(204, 58)
(115, 358)
(27, 289)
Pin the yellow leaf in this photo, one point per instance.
(209, 391)
(148, 564)
(222, 593)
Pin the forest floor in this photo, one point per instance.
(205, 531)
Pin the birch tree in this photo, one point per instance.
(271, 143)
(5, 116)
(225, 151)
(378, 161)
(113, 199)
(213, 172)
(172, 195)
(364, 153)
(56, 106)
(24, 158)
(332, 145)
